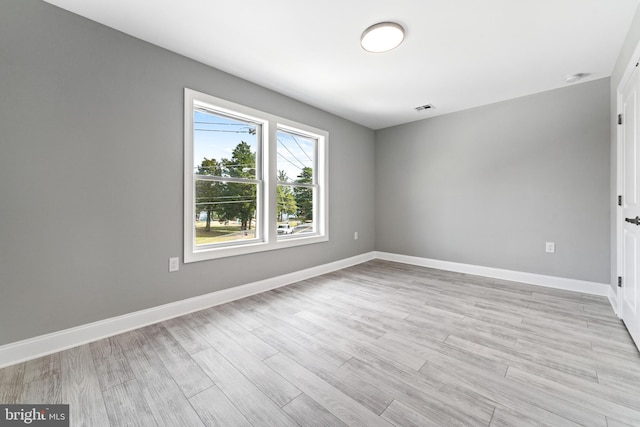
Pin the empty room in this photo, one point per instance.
(287, 213)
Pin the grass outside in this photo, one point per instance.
(221, 233)
(226, 233)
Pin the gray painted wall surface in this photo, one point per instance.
(91, 142)
(630, 43)
(489, 186)
(91, 177)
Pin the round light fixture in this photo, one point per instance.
(382, 37)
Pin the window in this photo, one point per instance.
(297, 183)
(253, 181)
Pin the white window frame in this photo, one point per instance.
(266, 229)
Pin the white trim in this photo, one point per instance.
(618, 211)
(266, 221)
(43, 345)
(585, 287)
(613, 300)
(628, 72)
(633, 60)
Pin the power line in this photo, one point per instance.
(224, 131)
(221, 168)
(227, 202)
(218, 197)
(294, 156)
(292, 164)
(221, 124)
(305, 153)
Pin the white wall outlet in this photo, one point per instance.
(355, 235)
(550, 247)
(174, 264)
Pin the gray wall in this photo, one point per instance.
(91, 140)
(91, 177)
(630, 43)
(489, 186)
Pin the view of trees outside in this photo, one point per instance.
(295, 162)
(304, 195)
(226, 210)
(287, 205)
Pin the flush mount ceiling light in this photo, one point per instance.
(575, 77)
(382, 37)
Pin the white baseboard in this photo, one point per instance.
(613, 300)
(43, 345)
(592, 288)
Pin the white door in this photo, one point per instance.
(630, 233)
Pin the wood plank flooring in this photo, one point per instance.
(378, 344)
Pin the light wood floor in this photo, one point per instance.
(377, 344)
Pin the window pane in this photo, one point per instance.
(287, 207)
(225, 212)
(296, 157)
(224, 146)
(296, 162)
(295, 210)
(304, 197)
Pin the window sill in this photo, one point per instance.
(246, 249)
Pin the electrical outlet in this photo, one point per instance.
(355, 235)
(550, 247)
(174, 264)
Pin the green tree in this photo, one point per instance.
(286, 200)
(240, 198)
(304, 196)
(208, 192)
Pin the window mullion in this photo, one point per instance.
(271, 178)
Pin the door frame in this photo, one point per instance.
(619, 218)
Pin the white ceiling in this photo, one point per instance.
(457, 54)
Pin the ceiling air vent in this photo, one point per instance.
(425, 107)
